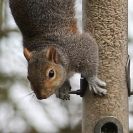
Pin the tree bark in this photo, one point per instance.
(106, 20)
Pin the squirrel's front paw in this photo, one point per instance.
(97, 86)
(63, 94)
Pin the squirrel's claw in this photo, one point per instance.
(98, 90)
(96, 85)
(63, 93)
(100, 82)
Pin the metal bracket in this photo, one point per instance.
(83, 87)
(130, 92)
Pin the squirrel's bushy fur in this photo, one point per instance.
(43, 17)
(54, 47)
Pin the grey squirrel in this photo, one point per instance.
(54, 48)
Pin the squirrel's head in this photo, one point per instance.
(45, 72)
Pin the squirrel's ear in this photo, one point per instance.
(52, 55)
(27, 54)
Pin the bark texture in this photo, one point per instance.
(106, 20)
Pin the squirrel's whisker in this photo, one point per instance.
(29, 94)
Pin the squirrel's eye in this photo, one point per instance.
(51, 73)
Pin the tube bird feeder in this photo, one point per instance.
(106, 20)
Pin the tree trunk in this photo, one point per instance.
(106, 20)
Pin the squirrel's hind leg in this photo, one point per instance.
(97, 86)
(63, 92)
